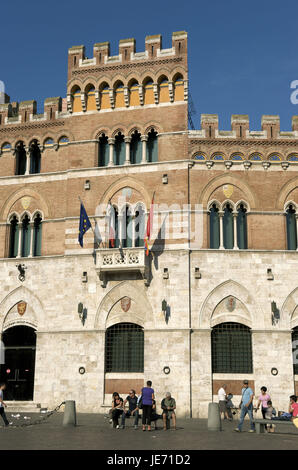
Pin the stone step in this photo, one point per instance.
(22, 407)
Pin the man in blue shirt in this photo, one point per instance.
(246, 406)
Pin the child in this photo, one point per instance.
(269, 413)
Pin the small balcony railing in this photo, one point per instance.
(119, 260)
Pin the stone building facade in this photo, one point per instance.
(226, 266)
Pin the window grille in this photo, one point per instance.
(231, 349)
(124, 350)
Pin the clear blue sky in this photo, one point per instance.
(242, 55)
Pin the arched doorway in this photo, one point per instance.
(18, 370)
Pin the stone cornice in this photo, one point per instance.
(23, 127)
(244, 142)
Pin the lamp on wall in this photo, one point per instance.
(82, 311)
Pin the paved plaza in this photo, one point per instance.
(94, 433)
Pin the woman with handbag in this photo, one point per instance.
(147, 401)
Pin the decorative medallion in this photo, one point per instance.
(22, 308)
(26, 201)
(228, 190)
(231, 303)
(125, 304)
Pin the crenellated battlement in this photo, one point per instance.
(270, 128)
(78, 63)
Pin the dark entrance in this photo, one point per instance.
(18, 370)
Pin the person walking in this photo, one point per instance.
(147, 401)
(2, 404)
(222, 400)
(263, 398)
(246, 406)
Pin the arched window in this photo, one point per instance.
(179, 89)
(37, 235)
(164, 91)
(119, 95)
(214, 227)
(291, 228)
(126, 227)
(119, 149)
(103, 151)
(105, 97)
(136, 148)
(91, 102)
(242, 227)
(35, 158)
(20, 159)
(113, 228)
(134, 94)
(231, 347)
(148, 92)
(139, 232)
(124, 348)
(26, 237)
(152, 146)
(228, 229)
(76, 100)
(295, 349)
(13, 237)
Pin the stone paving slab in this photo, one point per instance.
(94, 433)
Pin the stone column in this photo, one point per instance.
(28, 160)
(144, 139)
(141, 94)
(111, 143)
(127, 141)
(235, 214)
(221, 244)
(31, 240)
(69, 103)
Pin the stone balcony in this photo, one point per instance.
(121, 260)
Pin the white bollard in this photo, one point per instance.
(214, 421)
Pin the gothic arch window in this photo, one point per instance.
(35, 158)
(214, 226)
(103, 151)
(113, 228)
(136, 148)
(119, 95)
(228, 229)
(76, 100)
(20, 159)
(134, 94)
(119, 149)
(90, 98)
(126, 227)
(105, 96)
(178, 88)
(13, 237)
(152, 146)
(26, 236)
(164, 90)
(291, 214)
(139, 226)
(124, 348)
(231, 346)
(37, 232)
(242, 227)
(148, 92)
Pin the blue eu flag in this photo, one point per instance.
(84, 224)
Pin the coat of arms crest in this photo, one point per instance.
(125, 304)
(21, 308)
(231, 303)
